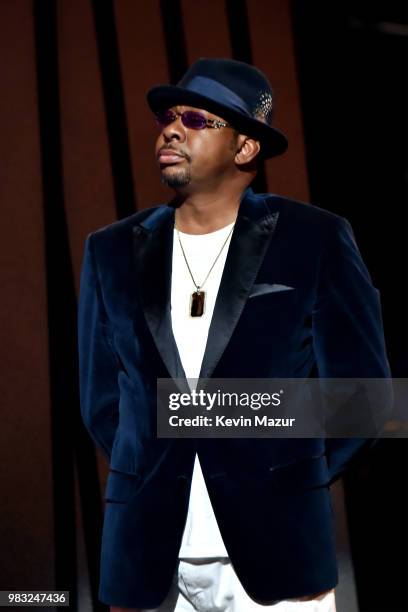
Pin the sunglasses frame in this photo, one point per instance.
(209, 123)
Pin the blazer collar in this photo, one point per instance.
(153, 250)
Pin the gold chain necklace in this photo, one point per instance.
(197, 298)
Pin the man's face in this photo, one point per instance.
(192, 158)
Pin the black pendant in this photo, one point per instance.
(197, 304)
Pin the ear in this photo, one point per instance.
(248, 148)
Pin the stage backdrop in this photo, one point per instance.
(77, 153)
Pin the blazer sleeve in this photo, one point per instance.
(98, 368)
(348, 331)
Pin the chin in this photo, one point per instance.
(175, 178)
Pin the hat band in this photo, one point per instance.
(218, 93)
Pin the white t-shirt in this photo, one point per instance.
(201, 537)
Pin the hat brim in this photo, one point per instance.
(273, 141)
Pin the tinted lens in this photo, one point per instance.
(166, 117)
(193, 120)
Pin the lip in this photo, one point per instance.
(169, 156)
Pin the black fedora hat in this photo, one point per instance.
(235, 91)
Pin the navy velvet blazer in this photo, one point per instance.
(271, 497)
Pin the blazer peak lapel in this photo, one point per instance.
(249, 242)
(153, 246)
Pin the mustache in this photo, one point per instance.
(176, 150)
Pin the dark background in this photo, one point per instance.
(77, 153)
(353, 76)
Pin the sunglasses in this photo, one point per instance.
(190, 119)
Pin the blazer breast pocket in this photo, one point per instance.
(265, 297)
(270, 289)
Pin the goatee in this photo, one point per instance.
(178, 179)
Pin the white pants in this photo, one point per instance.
(211, 585)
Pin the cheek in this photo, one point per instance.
(209, 151)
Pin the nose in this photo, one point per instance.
(174, 131)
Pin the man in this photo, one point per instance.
(221, 283)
